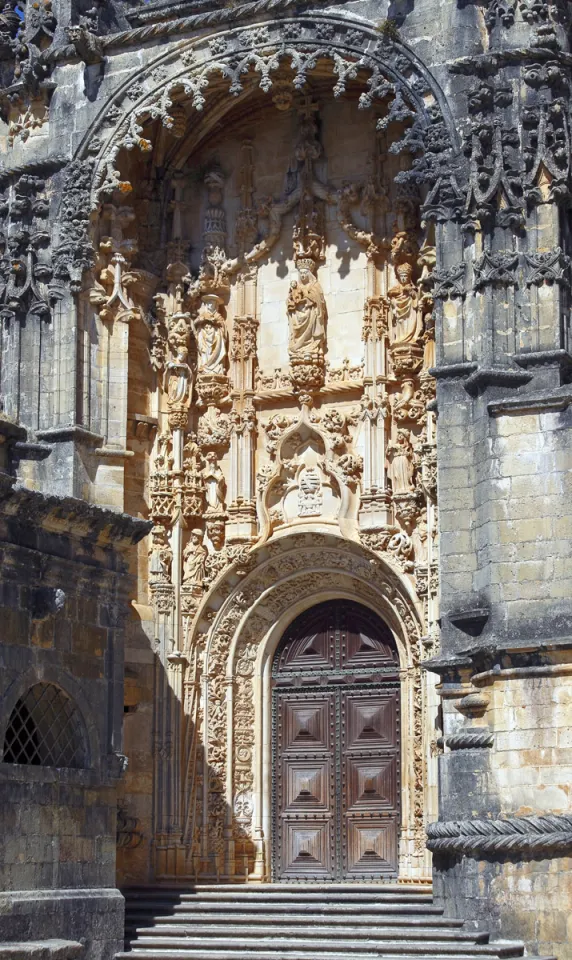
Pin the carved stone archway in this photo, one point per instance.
(349, 43)
(228, 825)
(215, 649)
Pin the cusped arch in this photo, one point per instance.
(349, 44)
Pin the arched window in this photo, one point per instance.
(45, 730)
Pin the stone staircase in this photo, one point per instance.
(298, 922)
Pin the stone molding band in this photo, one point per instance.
(547, 835)
(468, 741)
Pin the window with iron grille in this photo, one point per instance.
(45, 730)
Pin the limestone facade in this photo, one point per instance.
(294, 286)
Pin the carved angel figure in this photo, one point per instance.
(210, 333)
(406, 325)
(307, 314)
(194, 559)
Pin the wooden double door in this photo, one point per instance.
(336, 749)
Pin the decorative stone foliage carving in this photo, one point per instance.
(25, 268)
(321, 439)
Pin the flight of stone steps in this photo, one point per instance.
(298, 922)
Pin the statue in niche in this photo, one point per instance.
(178, 384)
(215, 484)
(194, 559)
(307, 313)
(419, 539)
(161, 555)
(400, 469)
(406, 323)
(210, 334)
(178, 380)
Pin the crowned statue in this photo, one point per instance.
(406, 324)
(306, 312)
(306, 305)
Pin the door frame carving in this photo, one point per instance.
(240, 624)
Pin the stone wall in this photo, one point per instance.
(503, 840)
(63, 599)
(502, 850)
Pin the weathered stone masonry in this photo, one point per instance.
(64, 597)
(294, 282)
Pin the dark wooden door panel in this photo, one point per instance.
(304, 822)
(370, 720)
(371, 847)
(336, 747)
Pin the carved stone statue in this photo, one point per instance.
(419, 539)
(307, 313)
(406, 322)
(178, 381)
(210, 333)
(194, 559)
(161, 555)
(215, 484)
(400, 467)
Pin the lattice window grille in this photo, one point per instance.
(45, 729)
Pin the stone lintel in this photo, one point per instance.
(485, 377)
(544, 358)
(489, 660)
(38, 167)
(73, 432)
(11, 431)
(545, 402)
(453, 371)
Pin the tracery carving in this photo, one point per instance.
(238, 463)
(286, 573)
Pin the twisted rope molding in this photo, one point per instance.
(210, 18)
(468, 741)
(549, 835)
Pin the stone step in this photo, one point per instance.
(305, 907)
(284, 896)
(347, 932)
(286, 954)
(255, 889)
(42, 950)
(367, 921)
(301, 943)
